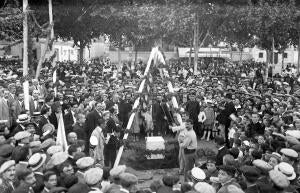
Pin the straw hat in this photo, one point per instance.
(37, 160)
(286, 169)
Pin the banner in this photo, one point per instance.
(61, 138)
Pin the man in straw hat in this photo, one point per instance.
(37, 163)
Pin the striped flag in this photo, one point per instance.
(61, 138)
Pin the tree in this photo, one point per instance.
(273, 22)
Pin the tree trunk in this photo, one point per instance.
(268, 61)
(190, 54)
(282, 60)
(298, 64)
(196, 43)
(241, 55)
(119, 56)
(81, 52)
(135, 53)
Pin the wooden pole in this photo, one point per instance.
(51, 19)
(25, 54)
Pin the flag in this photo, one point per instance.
(61, 134)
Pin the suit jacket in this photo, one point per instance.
(17, 129)
(157, 112)
(4, 111)
(6, 187)
(168, 113)
(17, 109)
(252, 189)
(68, 121)
(80, 176)
(32, 107)
(221, 152)
(53, 120)
(23, 188)
(92, 121)
(43, 121)
(39, 186)
(124, 110)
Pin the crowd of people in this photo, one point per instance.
(253, 120)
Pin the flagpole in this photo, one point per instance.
(25, 55)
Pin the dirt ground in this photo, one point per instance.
(146, 177)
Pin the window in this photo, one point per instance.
(285, 55)
(260, 55)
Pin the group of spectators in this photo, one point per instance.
(253, 120)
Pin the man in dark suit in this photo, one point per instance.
(34, 105)
(160, 120)
(18, 106)
(193, 108)
(45, 113)
(227, 114)
(222, 150)
(56, 110)
(93, 117)
(125, 106)
(78, 99)
(69, 119)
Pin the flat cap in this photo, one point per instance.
(21, 135)
(128, 179)
(85, 162)
(289, 152)
(117, 171)
(54, 149)
(250, 172)
(6, 150)
(203, 187)
(93, 176)
(6, 165)
(262, 165)
(47, 143)
(294, 133)
(279, 179)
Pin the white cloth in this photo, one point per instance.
(201, 117)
